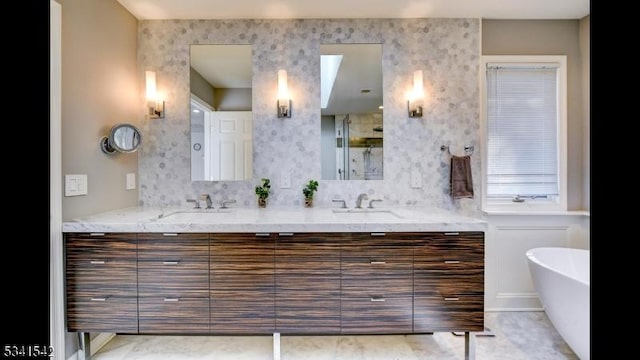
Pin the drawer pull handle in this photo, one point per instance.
(378, 234)
(378, 299)
(373, 262)
(286, 234)
(170, 262)
(452, 261)
(98, 299)
(451, 233)
(171, 299)
(97, 262)
(169, 234)
(96, 234)
(263, 234)
(451, 299)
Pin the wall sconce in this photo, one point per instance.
(284, 102)
(154, 103)
(415, 103)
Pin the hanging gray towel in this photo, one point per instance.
(461, 181)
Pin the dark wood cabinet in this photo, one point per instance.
(307, 279)
(242, 292)
(101, 282)
(173, 283)
(290, 283)
(449, 282)
(377, 283)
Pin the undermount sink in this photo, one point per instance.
(190, 214)
(367, 214)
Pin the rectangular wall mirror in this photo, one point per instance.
(351, 109)
(221, 112)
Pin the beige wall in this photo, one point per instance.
(100, 87)
(585, 51)
(551, 37)
(200, 87)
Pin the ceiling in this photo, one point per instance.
(344, 9)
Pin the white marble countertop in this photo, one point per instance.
(274, 219)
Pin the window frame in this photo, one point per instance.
(506, 205)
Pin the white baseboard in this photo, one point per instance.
(96, 344)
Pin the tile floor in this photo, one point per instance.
(518, 336)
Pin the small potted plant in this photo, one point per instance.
(263, 192)
(307, 191)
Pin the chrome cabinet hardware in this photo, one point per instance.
(169, 234)
(98, 299)
(451, 299)
(374, 262)
(170, 262)
(263, 234)
(286, 234)
(378, 234)
(378, 299)
(97, 262)
(451, 233)
(452, 262)
(171, 299)
(96, 234)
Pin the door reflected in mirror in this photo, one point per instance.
(352, 111)
(221, 112)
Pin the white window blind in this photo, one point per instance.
(522, 130)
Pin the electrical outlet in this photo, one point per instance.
(131, 181)
(285, 180)
(416, 178)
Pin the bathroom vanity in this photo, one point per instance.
(275, 271)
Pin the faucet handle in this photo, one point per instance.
(225, 202)
(195, 202)
(371, 203)
(344, 203)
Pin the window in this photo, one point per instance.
(524, 132)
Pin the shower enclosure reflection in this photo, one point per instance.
(352, 117)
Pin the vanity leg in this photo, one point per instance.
(84, 343)
(276, 346)
(469, 346)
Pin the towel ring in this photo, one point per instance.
(468, 150)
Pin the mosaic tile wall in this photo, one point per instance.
(447, 50)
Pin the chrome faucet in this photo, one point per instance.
(195, 202)
(207, 199)
(361, 197)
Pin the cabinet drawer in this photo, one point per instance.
(452, 313)
(308, 247)
(170, 247)
(240, 316)
(113, 276)
(85, 248)
(114, 314)
(398, 283)
(173, 278)
(174, 315)
(242, 248)
(443, 282)
(377, 315)
(439, 247)
(388, 248)
(315, 312)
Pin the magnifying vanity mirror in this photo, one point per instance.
(123, 138)
(221, 112)
(351, 102)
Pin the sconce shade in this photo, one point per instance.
(284, 102)
(415, 103)
(154, 104)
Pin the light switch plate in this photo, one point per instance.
(75, 185)
(131, 181)
(285, 180)
(416, 178)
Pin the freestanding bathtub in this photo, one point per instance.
(561, 279)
